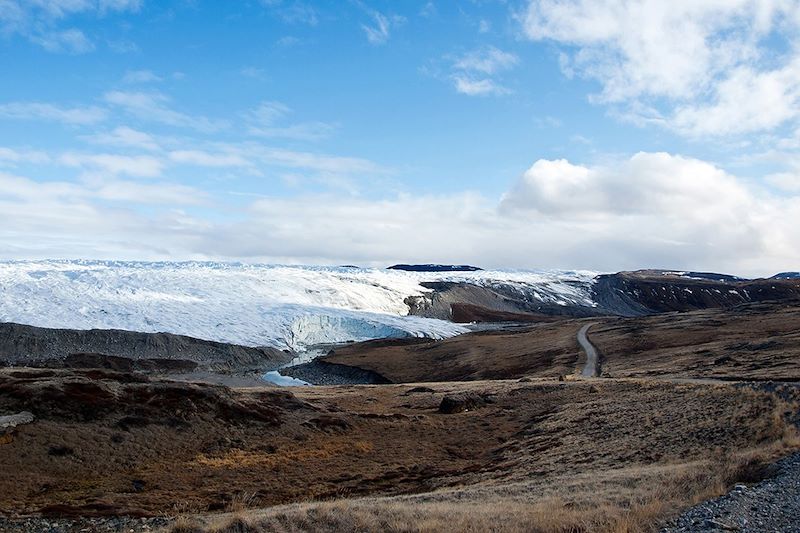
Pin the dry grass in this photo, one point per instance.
(242, 459)
(633, 500)
(599, 455)
(652, 500)
(754, 341)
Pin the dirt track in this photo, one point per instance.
(592, 367)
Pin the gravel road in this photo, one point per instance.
(592, 367)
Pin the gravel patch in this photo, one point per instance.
(322, 373)
(82, 525)
(772, 505)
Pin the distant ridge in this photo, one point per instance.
(435, 268)
(787, 275)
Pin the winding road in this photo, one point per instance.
(592, 367)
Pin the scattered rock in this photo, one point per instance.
(60, 451)
(419, 389)
(458, 403)
(329, 422)
(19, 419)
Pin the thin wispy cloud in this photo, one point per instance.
(140, 76)
(269, 120)
(293, 11)
(47, 24)
(77, 115)
(477, 87)
(474, 73)
(115, 164)
(125, 137)
(154, 107)
(71, 41)
(379, 30)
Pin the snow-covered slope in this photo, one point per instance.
(256, 305)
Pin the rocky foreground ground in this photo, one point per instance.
(773, 505)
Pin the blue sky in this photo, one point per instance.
(542, 134)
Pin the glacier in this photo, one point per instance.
(294, 307)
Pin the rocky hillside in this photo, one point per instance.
(651, 291)
(638, 293)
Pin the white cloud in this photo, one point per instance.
(80, 115)
(657, 209)
(746, 100)
(473, 73)
(711, 67)
(648, 183)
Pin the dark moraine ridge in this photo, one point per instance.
(435, 268)
(22, 345)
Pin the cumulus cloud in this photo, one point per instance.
(650, 210)
(704, 67)
(660, 209)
